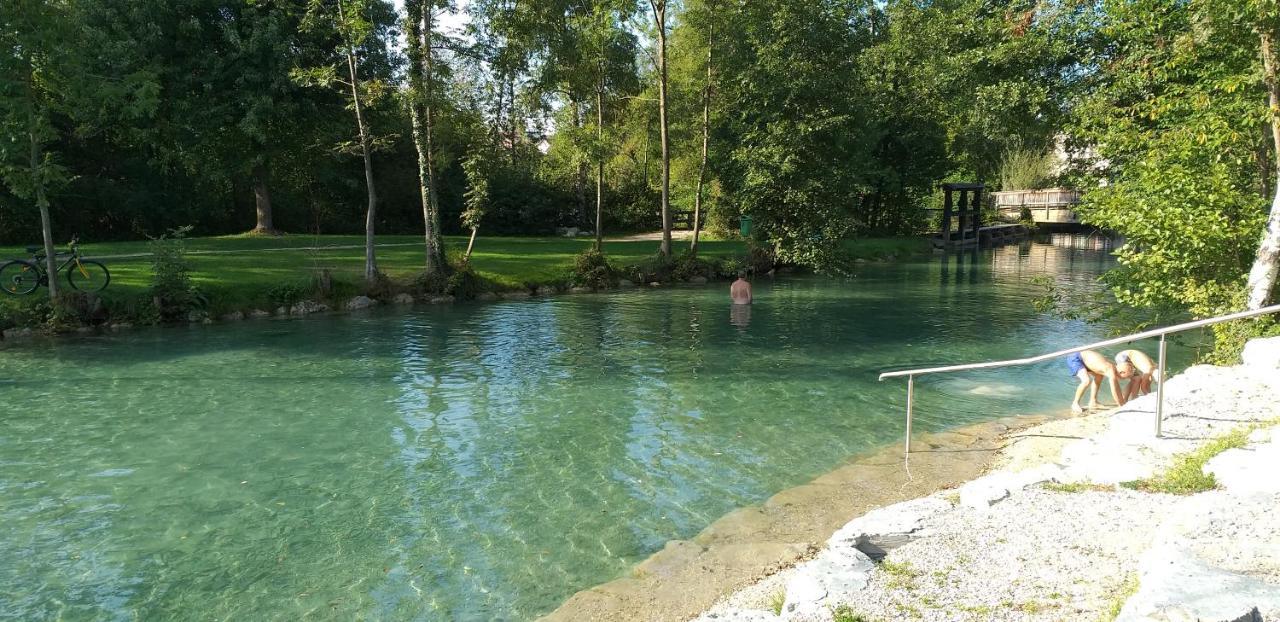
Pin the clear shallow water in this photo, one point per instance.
(480, 462)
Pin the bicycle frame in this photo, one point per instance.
(39, 260)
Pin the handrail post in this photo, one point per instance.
(911, 389)
(1160, 389)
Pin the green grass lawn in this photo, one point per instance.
(235, 271)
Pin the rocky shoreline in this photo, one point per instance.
(1051, 533)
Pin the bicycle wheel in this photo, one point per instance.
(88, 276)
(19, 278)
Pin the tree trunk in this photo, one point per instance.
(42, 202)
(515, 131)
(648, 132)
(435, 244)
(262, 199)
(37, 179)
(1266, 265)
(660, 20)
(418, 26)
(466, 257)
(706, 140)
(370, 259)
(600, 161)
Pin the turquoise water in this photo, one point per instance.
(478, 462)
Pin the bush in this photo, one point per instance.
(75, 309)
(172, 292)
(1026, 169)
(687, 266)
(435, 284)
(656, 269)
(464, 283)
(760, 259)
(591, 269)
(24, 314)
(287, 294)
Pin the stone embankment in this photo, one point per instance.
(1052, 535)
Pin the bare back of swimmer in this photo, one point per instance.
(740, 291)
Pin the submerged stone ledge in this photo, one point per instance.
(687, 577)
(1049, 535)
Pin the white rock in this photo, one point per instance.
(1263, 435)
(403, 299)
(899, 519)
(826, 581)
(258, 313)
(986, 491)
(581, 290)
(360, 302)
(20, 333)
(234, 316)
(1249, 471)
(1174, 585)
(441, 300)
(698, 280)
(1262, 354)
(516, 295)
(486, 296)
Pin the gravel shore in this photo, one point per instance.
(1049, 534)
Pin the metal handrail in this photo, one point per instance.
(1158, 332)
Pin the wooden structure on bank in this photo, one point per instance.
(964, 201)
(1052, 206)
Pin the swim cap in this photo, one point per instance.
(1122, 358)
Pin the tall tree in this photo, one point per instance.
(1266, 264)
(1174, 122)
(610, 62)
(420, 35)
(710, 10)
(659, 12)
(32, 34)
(349, 20)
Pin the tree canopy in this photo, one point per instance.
(823, 119)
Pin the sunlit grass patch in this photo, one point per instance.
(1186, 476)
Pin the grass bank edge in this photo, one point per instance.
(283, 271)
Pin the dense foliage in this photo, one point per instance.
(828, 118)
(1180, 151)
(825, 119)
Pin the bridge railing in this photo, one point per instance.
(1160, 373)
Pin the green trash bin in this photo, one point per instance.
(744, 225)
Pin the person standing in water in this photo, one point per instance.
(1090, 368)
(740, 291)
(1139, 369)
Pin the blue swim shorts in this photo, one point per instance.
(1075, 363)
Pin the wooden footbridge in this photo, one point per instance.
(964, 200)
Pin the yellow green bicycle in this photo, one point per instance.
(19, 277)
